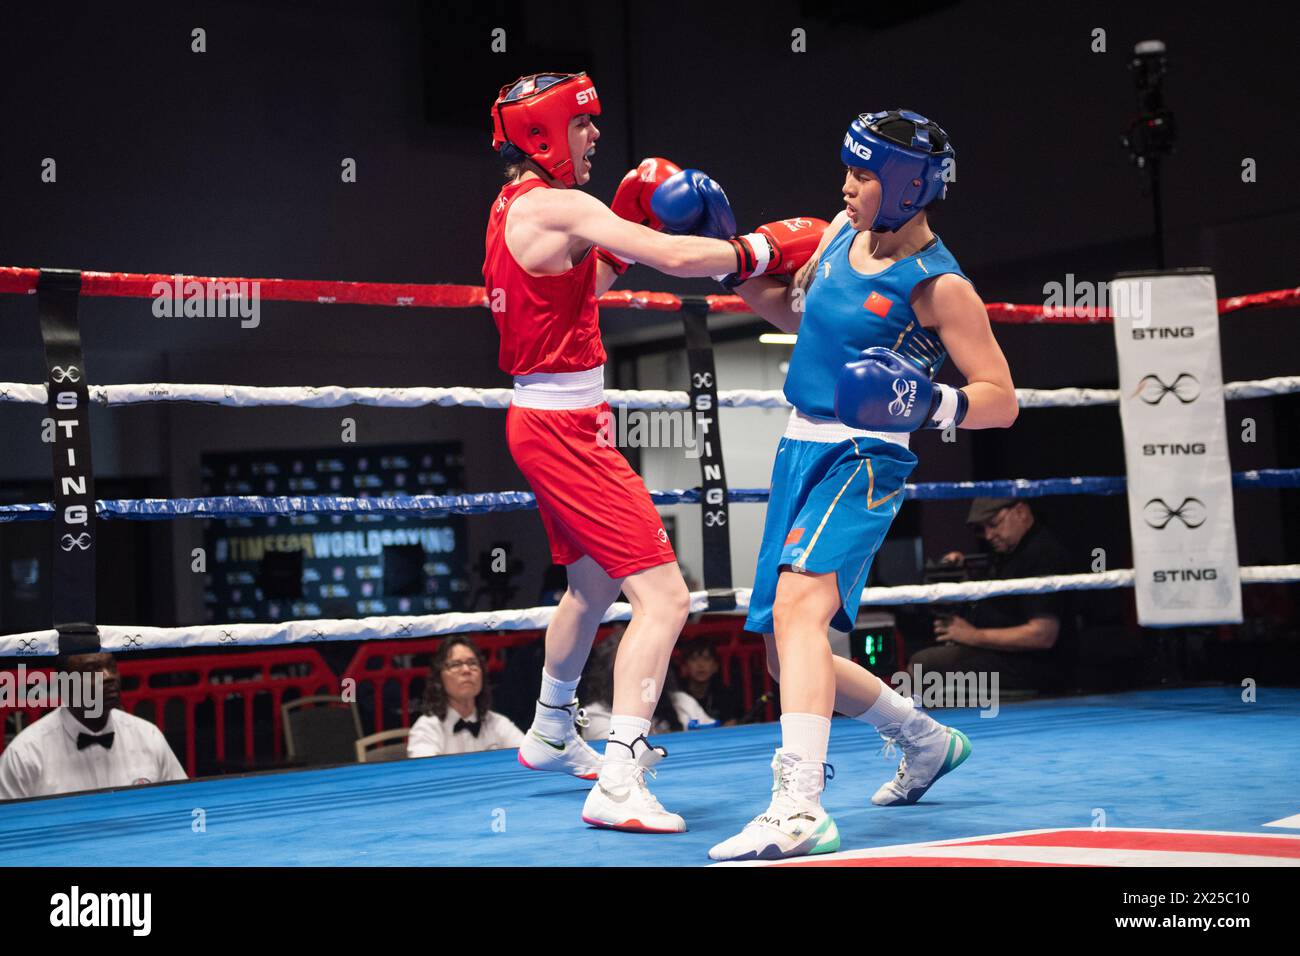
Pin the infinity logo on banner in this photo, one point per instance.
(81, 541)
(1191, 512)
(61, 375)
(1181, 519)
(1185, 388)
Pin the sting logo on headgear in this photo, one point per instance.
(857, 149)
(910, 174)
(530, 119)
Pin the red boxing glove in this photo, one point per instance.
(632, 202)
(632, 199)
(778, 248)
(793, 243)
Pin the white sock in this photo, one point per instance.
(807, 735)
(550, 720)
(890, 707)
(623, 732)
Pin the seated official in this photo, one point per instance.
(458, 718)
(702, 682)
(88, 744)
(1023, 637)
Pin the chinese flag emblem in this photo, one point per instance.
(794, 536)
(877, 304)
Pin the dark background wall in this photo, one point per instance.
(228, 163)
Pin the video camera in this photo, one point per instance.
(972, 567)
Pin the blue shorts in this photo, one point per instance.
(830, 508)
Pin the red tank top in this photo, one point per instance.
(549, 323)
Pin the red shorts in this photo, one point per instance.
(592, 502)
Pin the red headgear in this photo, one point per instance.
(531, 116)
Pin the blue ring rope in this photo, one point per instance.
(436, 506)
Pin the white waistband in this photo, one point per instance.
(561, 389)
(803, 427)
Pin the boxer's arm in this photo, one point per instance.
(782, 303)
(950, 306)
(1036, 634)
(605, 277)
(769, 297)
(632, 202)
(586, 217)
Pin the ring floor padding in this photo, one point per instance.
(1188, 759)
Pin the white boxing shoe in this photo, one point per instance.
(621, 800)
(930, 750)
(795, 823)
(567, 754)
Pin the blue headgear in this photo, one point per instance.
(911, 177)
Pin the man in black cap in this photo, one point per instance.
(1023, 637)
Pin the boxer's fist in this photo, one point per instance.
(778, 248)
(632, 198)
(793, 242)
(884, 392)
(690, 203)
(632, 202)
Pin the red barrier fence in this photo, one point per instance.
(149, 685)
(376, 663)
(235, 682)
(282, 673)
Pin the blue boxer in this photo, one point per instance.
(831, 504)
(835, 490)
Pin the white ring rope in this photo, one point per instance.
(336, 396)
(117, 639)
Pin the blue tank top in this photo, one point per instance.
(846, 311)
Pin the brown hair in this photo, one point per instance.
(435, 695)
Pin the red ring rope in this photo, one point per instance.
(323, 291)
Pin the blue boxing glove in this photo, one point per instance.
(690, 203)
(884, 392)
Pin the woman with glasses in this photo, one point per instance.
(458, 718)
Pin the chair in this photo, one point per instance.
(320, 729)
(385, 745)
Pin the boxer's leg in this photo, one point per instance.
(660, 606)
(930, 749)
(795, 823)
(553, 742)
(573, 628)
(856, 688)
(621, 799)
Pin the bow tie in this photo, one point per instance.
(472, 726)
(89, 740)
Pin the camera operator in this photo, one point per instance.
(1022, 637)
